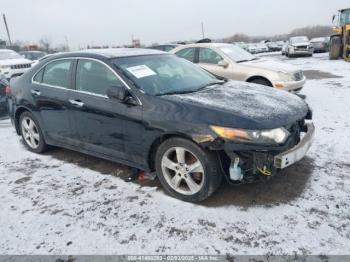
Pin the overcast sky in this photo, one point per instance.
(113, 22)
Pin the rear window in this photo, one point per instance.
(56, 73)
(39, 76)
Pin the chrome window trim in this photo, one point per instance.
(81, 91)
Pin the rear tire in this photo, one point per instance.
(335, 48)
(186, 171)
(31, 133)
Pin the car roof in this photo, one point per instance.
(114, 52)
(208, 45)
(6, 50)
(32, 51)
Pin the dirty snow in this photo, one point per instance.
(65, 202)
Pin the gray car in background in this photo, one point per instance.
(299, 46)
(320, 44)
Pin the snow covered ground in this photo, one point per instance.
(68, 203)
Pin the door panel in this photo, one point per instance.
(97, 123)
(49, 93)
(101, 124)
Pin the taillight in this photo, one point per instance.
(8, 90)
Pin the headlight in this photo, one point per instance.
(4, 66)
(270, 136)
(284, 76)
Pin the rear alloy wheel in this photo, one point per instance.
(186, 171)
(31, 133)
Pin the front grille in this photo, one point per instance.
(20, 66)
(298, 76)
(302, 47)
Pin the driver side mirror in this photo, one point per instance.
(223, 63)
(121, 93)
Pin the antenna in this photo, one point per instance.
(7, 29)
(203, 35)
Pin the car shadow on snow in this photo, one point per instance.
(99, 165)
(282, 189)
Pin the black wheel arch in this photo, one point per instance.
(19, 111)
(159, 140)
(252, 78)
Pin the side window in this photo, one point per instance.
(95, 77)
(39, 76)
(187, 53)
(57, 73)
(208, 56)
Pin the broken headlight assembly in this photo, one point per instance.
(265, 137)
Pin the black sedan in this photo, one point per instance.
(3, 106)
(156, 112)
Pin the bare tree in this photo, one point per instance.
(45, 42)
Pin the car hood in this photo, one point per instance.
(301, 44)
(15, 61)
(244, 105)
(271, 65)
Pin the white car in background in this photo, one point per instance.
(231, 62)
(13, 64)
(262, 48)
(252, 48)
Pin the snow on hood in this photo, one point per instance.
(265, 106)
(301, 44)
(15, 61)
(272, 65)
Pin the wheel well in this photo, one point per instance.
(252, 78)
(156, 143)
(18, 114)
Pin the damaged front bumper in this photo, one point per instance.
(263, 162)
(296, 153)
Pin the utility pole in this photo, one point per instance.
(203, 35)
(67, 45)
(7, 30)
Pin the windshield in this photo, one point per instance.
(237, 54)
(345, 17)
(320, 39)
(301, 39)
(37, 55)
(164, 74)
(9, 55)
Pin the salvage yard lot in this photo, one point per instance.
(69, 203)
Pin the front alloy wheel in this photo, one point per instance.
(187, 171)
(183, 171)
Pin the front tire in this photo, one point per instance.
(186, 171)
(31, 133)
(335, 48)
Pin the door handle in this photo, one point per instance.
(35, 92)
(76, 103)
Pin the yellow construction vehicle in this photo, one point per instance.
(340, 42)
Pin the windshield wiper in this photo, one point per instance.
(212, 84)
(176, 92)
(242, 61)
(192, 90)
